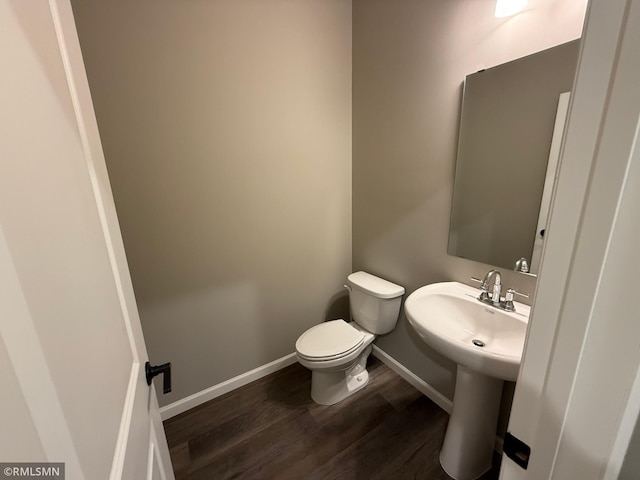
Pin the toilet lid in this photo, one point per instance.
(329, 339)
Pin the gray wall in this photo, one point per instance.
(631, 466)
(226, 127)
(410, 58)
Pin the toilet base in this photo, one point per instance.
(328, 388)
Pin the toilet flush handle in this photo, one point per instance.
(348, 287)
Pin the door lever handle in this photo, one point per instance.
(165, 369)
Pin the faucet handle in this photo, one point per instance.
(508, 299)
(484, 292)
(512, 291)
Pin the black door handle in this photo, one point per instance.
(165, 369)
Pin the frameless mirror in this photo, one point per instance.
(510, 132)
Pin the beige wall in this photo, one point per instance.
(19, 439)
(226, 127)
(227, 131)
(410, 58)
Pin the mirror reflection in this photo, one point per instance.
(510, 133)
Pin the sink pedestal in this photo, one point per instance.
(467, 452)
(486, 343)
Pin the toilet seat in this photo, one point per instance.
(329, 341)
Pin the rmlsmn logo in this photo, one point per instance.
(41, 471)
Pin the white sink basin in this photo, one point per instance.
(449, 318)
(487, 344)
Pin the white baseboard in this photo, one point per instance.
(434, 395)
(215, 391)
(210, 393)
(426, 389)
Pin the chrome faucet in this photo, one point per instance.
(494, 297)
(497, 285)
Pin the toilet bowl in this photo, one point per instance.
(336, 352)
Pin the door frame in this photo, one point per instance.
(568, 345)
(139, 400)
(140, 445)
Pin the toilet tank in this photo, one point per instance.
(375, 302)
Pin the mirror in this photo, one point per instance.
(509, 116)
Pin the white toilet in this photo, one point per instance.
(336, 352)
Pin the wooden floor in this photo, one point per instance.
(270, 429)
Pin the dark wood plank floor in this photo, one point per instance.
(271, 429)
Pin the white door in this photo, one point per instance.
(582, 353)
(72, 354)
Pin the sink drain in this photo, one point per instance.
(478, 343)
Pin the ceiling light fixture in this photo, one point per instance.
(506, 8)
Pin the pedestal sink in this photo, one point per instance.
(486, 343)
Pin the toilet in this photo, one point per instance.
(336, 352)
